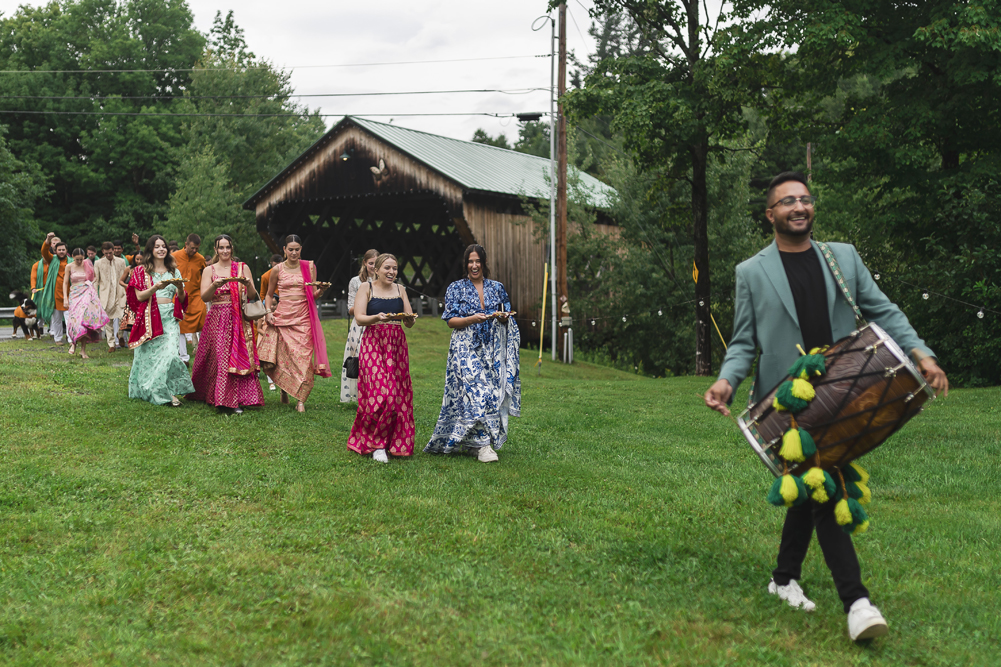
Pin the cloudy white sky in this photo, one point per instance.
(302, 34)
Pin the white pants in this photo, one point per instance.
(182, 347)
(57, 326)
(110, 331)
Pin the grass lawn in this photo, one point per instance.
(625, 524)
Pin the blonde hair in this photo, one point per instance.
(381, 259)
(369, 254)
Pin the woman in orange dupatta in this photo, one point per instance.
(292, 347)
(225, 368)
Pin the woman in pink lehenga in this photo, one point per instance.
(225, 370)
(292, 348)
(85, 317)
(385, 418)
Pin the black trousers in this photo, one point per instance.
(835, 543)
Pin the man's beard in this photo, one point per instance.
(783, 228)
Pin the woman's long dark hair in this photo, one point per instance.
(168, 261)
(484, 267)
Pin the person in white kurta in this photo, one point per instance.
(107, 271)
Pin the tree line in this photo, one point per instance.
(67, 165)
(689, 115)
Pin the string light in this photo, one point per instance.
(926, 295)
(660, 313)
(701, 303)
(592, 322)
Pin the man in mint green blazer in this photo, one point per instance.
(786, 296)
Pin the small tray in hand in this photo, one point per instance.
(319, 283)
(498, 313)
(174, 281)
(231, 279)
(399, 316)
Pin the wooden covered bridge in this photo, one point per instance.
(420, 196)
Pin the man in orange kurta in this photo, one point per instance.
(191, 264)
(53, 245)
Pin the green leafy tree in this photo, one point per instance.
(677, 104)
(902, 99)
(238, 153)
(21, 186)
(480, 136)
(100, 167)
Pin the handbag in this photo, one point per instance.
(253, 310)
(351, 368)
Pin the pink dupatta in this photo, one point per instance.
(319, 342)
(242, 352)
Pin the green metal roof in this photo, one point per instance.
(477, 166)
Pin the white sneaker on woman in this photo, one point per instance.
(865, 621)
(487, 454)
(380, 456)
(792, 594)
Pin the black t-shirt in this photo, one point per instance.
(809, 292)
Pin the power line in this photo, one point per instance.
(209, 69)
(257, 115)
(516, 91)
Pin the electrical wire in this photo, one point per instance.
(516, 91)
(257, 115)
(227, 69)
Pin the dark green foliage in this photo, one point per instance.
(21, 186)
(901, 102)
(480, 136)
(110, 176)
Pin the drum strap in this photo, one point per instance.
(839, 278)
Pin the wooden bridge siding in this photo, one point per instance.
(322, 173)
(514, 256)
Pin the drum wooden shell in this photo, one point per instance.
(869, 391)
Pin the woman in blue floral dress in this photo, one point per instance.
(482, 382)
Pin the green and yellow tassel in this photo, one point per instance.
(859, 519)
(797, 445)
(855, 473)
(785, 399)
(842, 513)
(787, 490)
(803, 390)
(821, 484)
(808, 366)
(859, 492)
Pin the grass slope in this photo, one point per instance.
(625, 524)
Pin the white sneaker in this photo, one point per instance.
(487, 454)
(865, 621)
(792, 594)
(237, 411)
(380, 456)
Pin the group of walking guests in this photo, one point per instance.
(165, 298)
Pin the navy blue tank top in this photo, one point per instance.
(378, 305)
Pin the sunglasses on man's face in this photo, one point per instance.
(808, 200)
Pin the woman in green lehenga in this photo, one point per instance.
(158, 374)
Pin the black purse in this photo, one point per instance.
(351, 368)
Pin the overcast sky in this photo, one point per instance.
(301, 34)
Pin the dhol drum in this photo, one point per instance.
(870, 390)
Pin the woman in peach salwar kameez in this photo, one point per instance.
(292, 348)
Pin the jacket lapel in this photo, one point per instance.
(771, 262)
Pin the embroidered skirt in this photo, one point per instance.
(385, 418)
(210, 374)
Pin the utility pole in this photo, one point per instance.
(561, 185)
